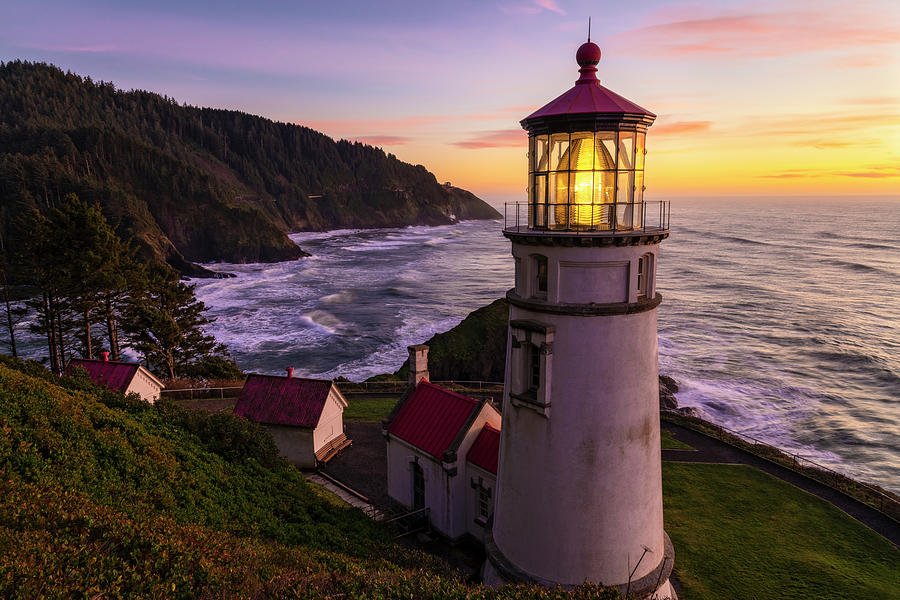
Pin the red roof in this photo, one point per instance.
(115, 375)
(588, 96)
(484, 451)
(431, 418)
(275, 400)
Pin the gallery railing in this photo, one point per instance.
(607, 218)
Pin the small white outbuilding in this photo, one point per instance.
(304, 416)
(442, 455)
(125, 377)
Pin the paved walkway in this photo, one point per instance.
(344, 495)
(710, 450)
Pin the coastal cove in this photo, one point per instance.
(778, 318)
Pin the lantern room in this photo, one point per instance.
(586, 154)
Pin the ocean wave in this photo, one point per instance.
(339, 297)
(323, 320)
(862, 268)
(870, 246)
(306, 236)
(437, 241)
(376, 245)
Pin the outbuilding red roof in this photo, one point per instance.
(484, 451)
(431, 418)
(115, 375)
(275, 400)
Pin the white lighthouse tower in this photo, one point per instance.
(579, 491)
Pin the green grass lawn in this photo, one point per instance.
(368, 410)
(670, 443)
(740, 533)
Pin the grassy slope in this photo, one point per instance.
(118, 499)
(368, 410)
(670, 443)
(739, 533)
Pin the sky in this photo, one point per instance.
(763, 97)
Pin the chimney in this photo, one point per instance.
(290, 372)
(418, 364)
(105, 356)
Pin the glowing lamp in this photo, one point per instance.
(586, 157)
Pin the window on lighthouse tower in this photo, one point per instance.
(540, 276)
(531, 364)
(534, 368)
(643, 276)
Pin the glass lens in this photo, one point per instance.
(606, 150)
(541, 154)
(626, 150)
(582, 151)
(559, 151)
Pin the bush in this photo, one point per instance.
(233, 438)
(213, 367)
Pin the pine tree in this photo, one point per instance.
(12, 314)
(165, 323)
(89, 262)
(36, 257)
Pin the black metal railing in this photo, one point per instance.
(607, 218)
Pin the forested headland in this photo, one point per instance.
(191, 184)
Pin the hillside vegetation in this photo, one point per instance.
(106, 496)
(474, 350)
(198, 184)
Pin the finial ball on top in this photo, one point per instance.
(588, 54)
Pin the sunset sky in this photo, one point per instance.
(783, 97)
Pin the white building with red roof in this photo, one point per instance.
(442, 455)
(304, 416)
(125, 377)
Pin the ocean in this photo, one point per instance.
(780, 316)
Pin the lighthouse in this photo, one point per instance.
(579, 490)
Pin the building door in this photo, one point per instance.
(418, 484)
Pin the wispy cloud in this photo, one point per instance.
(795, 174)
(494, 139)
(69, 48)
(677, 127)
(759, 34)
(872, 172)
(814, 124)
(869, 59)
(533, 8)
(879, 172)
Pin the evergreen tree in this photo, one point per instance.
(36, 256)
(12, 314)
(165, 323)
(90, 264)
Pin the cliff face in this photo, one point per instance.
(199, 184)
(474, 350)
